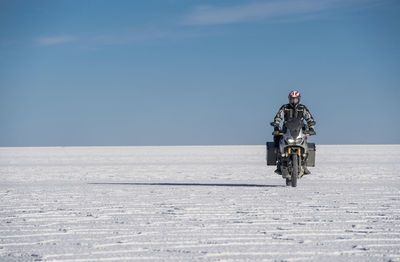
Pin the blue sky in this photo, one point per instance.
(187, 72)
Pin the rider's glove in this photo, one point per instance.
(276, 131)
(276, 128)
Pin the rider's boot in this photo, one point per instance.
(306, 171)
(278, 169)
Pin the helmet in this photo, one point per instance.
(294, 98)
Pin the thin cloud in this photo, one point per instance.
(153, 35)
(211, 15)
(119, 39)
(142, 35)
(53, 40)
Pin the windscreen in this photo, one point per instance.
(294, 126)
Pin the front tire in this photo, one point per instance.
(295, 164)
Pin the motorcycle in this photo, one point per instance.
(294, 152)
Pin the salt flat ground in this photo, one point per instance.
(211, 203)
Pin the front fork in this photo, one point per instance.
(296, 151)
(288, 167)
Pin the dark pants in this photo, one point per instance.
(276, 140)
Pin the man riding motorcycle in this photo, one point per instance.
(288, 111)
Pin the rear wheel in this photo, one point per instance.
(295, 170)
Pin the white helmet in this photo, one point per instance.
(294, 98)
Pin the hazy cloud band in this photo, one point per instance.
(211, 15)
(55, 40)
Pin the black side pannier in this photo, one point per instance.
(311, 154)
(272, 154)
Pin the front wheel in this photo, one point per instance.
(295, 164)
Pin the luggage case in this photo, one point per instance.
(272, 153)
(311, 154)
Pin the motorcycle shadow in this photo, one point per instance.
(183, 184)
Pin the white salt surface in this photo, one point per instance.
(212, 203)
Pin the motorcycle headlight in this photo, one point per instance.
(290, 140)
(294, 141)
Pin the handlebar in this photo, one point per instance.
(310, 133)
(277, 133)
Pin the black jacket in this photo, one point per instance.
(287, 112)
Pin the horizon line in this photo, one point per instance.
(216, 145)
